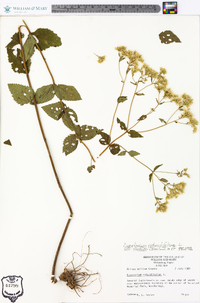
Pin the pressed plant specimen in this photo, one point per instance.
(40, 40)
(136, 74)
(141, 77)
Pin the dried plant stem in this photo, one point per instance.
(53, 81)
(132, 104)
(40, 54)
(113, 119)
(118, 138)
(51, 160)
(148, 130)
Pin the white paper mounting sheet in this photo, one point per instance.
(114, 203)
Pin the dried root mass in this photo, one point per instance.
(78, 277)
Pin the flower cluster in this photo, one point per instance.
(101, 59)
(192, 121)
(133, 58)
(183, 173)
(174, 190)
(184, 102)
(149, 72)
(162, 207)
(161, 83)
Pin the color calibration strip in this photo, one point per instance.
(169, 7)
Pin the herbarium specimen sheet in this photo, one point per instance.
(121, 122)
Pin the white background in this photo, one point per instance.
(115, 202)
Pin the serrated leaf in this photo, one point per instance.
(47, 38)
(14, 40)
(54, 110)
(90, 168)
(164, 180)
(44, 94)
(133, 153)
(121, 99)
(70, 143)
(114, 149)
(123, 153)
(122, 124)
(88, 132)
(134, 134)
(150, 176)
(16, 60)
(162, 120)
(66, 92)
(21, 94)
(29, 47)
(157, 166)
(67, 120)
(105, 138)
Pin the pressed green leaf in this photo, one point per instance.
(54, 110)
(162, 120)
(121, 99)
(14, 40)
(114, 149)
(150, 176)
(29, 47)
(70, 143)
(164, 180)
(105, 138)
(65, 92)
(139, 94)
(88, 132)
(122, 124)
(134, 134)
(123, 153)
(157, 166)
(158, 199)
(21, 94)
(143, 117)
(67, 120)
(16, 60)
(8, 142)
(44, 94)
(46, 38)
(90, 168)
(121, 58)
(133, 153)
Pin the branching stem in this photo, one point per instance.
(53, 81)
(113, 119)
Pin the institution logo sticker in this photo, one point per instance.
(12, 287)
(7, 9)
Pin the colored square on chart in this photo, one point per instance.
(169, 7)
